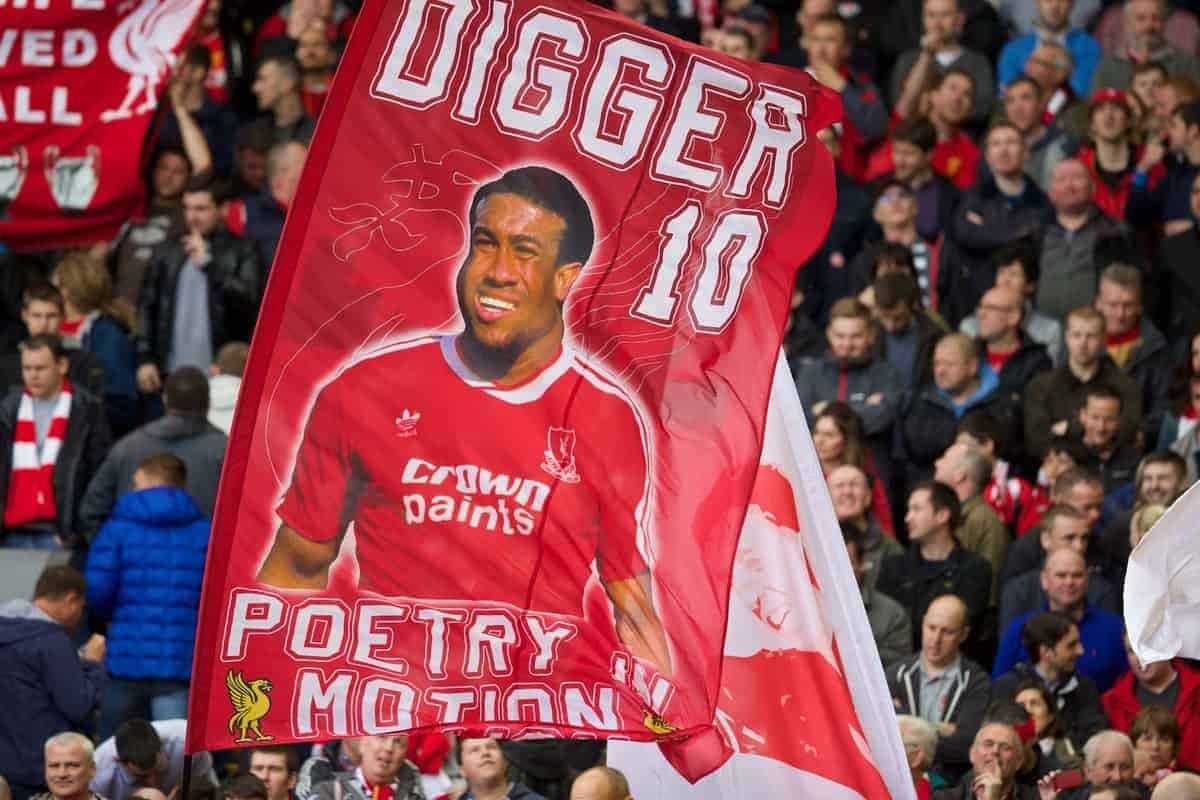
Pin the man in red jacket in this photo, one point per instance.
(1171, 684)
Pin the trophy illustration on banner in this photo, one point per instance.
(13, 167)
(73, 179)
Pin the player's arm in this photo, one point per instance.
(638, 625)
(296, 562)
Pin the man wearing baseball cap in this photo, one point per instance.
(1110, 154)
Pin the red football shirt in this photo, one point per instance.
(459, 489)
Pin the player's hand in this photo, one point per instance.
(828, 75)
(930, 42)
(974, 218)
(148, 379)
(1059, 428)
(875, 399)
(819, 408)
(946, 729)
(1046, 790)
(94, 649)
(1176, 227)
(197, 249)
(987, 785)
(1153, 154)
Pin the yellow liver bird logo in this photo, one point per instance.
(250, 704)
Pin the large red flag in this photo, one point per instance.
(506, 401)
(79, 83)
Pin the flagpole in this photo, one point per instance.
(186, 784)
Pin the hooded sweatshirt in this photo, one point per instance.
(223, 395)
(45, 686)
(144, 573)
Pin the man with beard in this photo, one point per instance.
(1144, 41)
(1053, 22)
(546, 410)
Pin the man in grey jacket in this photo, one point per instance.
(941, 685)
(184, 432)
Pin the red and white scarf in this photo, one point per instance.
(31, 481)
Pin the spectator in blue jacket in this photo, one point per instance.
(1053, 22)
(46, 685)
(143, 575)
(1065, 581)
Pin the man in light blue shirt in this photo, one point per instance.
(1052, 23)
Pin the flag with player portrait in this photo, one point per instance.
(508, 390)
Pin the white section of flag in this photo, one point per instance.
(1162, 585)
(838, 613)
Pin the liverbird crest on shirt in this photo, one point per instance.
(560, 455)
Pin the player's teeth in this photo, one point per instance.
(492, 302)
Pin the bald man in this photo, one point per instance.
(943, 686)
(996, 755)
(600, 783)
(1179, 786)
(961, 382)
(1012, 355)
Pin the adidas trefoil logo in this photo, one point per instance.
(406, 423)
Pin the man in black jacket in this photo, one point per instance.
(941, 685)
(935, 564)
(45, 469)
(1003, 206)
(927, 424)
(200, 292)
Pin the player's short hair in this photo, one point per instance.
(42, 292)
(896, 289)
(1189, 113)
(982, 426)
(231, 358)
(73, 739)
(1127, 277)
(59, 581)
(244, 786)
(1046, 629)
(1092, 747)
(1059, 511)
(288, 753)
(286, 64)
(942, 498)
(832, 18)
(1027, 81)
(850, 308)
(919, 132)
(554, 192)
(138, 743)
(51, 341)
(166, 468)
(1101, 391)
(1151, 66)
(918, 733)
(186, 392)
(1000, 124)
(1086, 314)
(940, 80)
(1073, 477)
(1019, 251)
(1155, 719)
(198, 55)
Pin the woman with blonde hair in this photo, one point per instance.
(94, 321)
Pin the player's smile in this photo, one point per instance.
(489, 307)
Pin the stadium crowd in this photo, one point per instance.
(997, 346)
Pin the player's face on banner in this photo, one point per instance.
(512, 287)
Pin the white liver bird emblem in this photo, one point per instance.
(143, 45)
